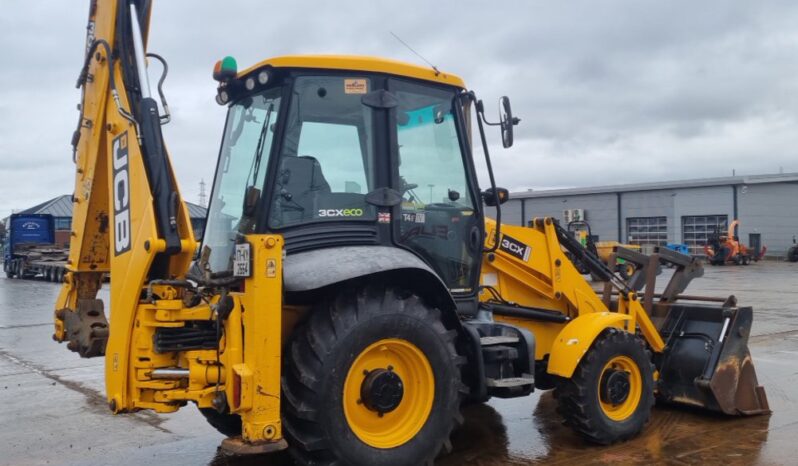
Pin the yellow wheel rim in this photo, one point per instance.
(623, 410)
(397, 427)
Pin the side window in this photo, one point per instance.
(326, 164)
(429, 151)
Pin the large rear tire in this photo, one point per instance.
(371, 378)
(610, 395)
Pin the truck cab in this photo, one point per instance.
(25, 231)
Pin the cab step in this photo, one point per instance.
(499, 353)
(499, 340)
(510, 382)
(502, 360)
(510, 387)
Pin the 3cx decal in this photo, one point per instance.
(516, 248)
(121, 188)
(340, 212)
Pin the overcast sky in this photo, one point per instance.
(608, 91)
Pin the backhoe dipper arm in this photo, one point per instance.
(128, 217)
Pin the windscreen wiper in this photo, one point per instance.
(261, 140)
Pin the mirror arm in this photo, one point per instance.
(481, 113)
(480, 118)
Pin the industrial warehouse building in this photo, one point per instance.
(61, 209)
(674, 211)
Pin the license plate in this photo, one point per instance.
(241, 262)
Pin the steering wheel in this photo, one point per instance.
(408, 186)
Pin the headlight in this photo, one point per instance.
(222, 97)
(263, 77)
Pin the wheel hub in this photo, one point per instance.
(382, 390)
(614, 388)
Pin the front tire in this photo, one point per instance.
(610, 395)
(371, 378)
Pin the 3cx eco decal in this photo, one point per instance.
(516, 248)
(121, 188)
(340, 212)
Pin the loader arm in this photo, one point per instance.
(530, 268)
(129, 220)
(701, 350)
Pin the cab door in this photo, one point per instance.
(439, 218)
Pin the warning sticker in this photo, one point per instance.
(355, 86)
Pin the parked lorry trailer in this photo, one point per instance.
(30, 249)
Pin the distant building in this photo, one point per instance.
(674, 211)
(61, 209)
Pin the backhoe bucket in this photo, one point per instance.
(706, 362)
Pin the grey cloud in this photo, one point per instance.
(609, 92)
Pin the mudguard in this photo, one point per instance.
(311, 270)
(576, 338)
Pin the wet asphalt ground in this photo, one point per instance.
(53, 411)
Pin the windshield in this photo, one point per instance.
(244, 156)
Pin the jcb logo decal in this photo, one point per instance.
(121, 187)
(515, 247)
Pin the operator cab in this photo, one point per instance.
(347, 151)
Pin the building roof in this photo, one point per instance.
(61, 206)
(660, 185)
(359, 63)
(196, 211)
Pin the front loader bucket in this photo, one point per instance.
(706, 361)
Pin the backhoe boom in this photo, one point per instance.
(128, 218)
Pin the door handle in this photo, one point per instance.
(474, 238)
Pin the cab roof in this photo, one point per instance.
(359, 63)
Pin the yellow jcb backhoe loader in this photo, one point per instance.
(350, 293)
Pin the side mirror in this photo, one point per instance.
(492, 199)
(507, 121)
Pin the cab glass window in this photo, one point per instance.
(438, 216)
(326, 165)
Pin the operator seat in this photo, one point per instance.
(299, 185)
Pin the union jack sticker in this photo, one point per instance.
(384, 217)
